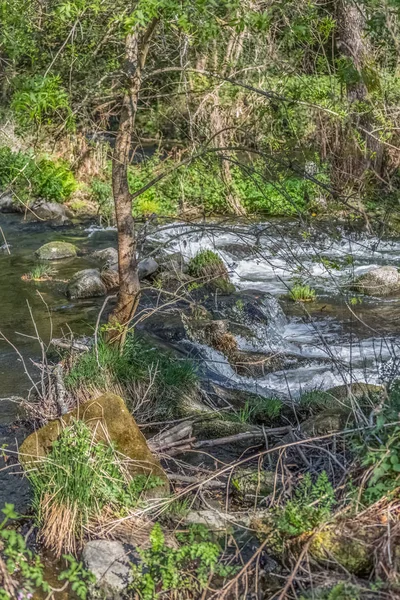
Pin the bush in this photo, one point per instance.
(302, 293)
(42, 178)
(134, 369)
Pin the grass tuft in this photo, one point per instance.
(302, 293)
(79, 478)
(41, 272)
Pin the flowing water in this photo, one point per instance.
(336, 340)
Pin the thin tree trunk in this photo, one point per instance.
(353, 45)
(136, 51)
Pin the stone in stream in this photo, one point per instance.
(112, 421)
(110, 564)
(86, 284)
(51, 211)
(147, 267)
(108, 258)
(9, 205)
(383, 281)
(56, 251)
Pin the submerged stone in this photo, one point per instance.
(110, 418)
(56, 251)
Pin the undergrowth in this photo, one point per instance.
(140, 367)
(187, 568)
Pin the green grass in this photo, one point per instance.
(131, 372)
(302, 293)
(79, 478)
(258, 410)
(39, 273)
(207, 264)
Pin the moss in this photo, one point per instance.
(217, 428)
(352, 553)
(256, 483)
(210, 268)
(56, 251)
(112, 420)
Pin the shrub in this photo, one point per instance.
(186, 568)
(134, 370)
(42, 178)
(79, 477)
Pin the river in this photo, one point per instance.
(339, 339)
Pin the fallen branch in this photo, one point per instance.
(213, 484)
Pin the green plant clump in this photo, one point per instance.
(310, 507)
(258, 410)
(39, 273)
(302, 293)
(187, 568)
(79, 477)
(207, 264)
(139, 364)
(101, 193)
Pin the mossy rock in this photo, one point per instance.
(56, 251)
(254, 483)
(326, 421)
(209, 267)
(110, 418)
(382, 281)
(342, 546)
(218, 428)
(342, 396)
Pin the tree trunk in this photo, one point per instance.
(136, 51)
(354, 46)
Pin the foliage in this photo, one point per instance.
(186, 568)
(101, 193)
(138, 363)
(35, 177)
(81, 476)
(340, 591)
(302, 293)
(25, 566)
(37, 100)
(310, 506)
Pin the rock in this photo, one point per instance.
(209, 429)
(110, 564)
(256, 364)
(86, 284)
(8, 205)
(256, 483)
(345, 547)
(174, 263)
(110, 418)
(211, 519)
(382, 281)
(56, 251)
(208, 268)
(342, 397)
(108, 258)
(147, 266)
(212, 333)
(51, 211)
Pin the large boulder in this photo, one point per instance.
(147, 267)
(383, 281)
(108, 258)
(112, 421)
(86, 284)
(56, 251)
(109, 562)
(51, 211)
